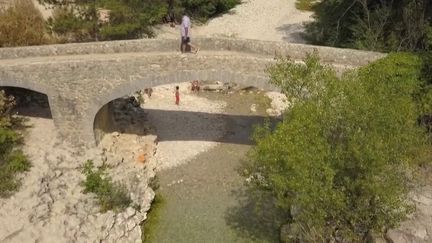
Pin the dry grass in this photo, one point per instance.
(22, 25)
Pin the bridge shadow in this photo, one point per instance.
(29, 103)
(177, 125)
(203, 126)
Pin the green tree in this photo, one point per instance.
(82, 20)
(205, 9)
(382, 25)
(339, 164)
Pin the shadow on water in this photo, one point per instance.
(192, 118)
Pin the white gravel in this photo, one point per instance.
(275, 20)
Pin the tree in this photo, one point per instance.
(339, 164)
(89, 20)
(382, 25)
(205, 9)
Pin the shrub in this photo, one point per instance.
(22, 25)
(339, 164)
(306, 5)
(111, 196)
(12, 160)
(80, 21)
(373, 24)
(68, 26)
(204, 9)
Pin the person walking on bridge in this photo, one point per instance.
(185, 35)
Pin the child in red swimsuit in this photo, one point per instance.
(177, 95)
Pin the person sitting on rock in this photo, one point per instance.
(195, 85)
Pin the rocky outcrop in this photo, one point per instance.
(279, 103)
(50, 206)
(418, 227)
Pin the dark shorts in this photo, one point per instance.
(185, 40)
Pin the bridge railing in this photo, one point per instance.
(338, 56)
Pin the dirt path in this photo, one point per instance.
(275, 20)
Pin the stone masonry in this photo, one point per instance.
(79, 79)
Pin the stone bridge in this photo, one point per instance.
(79, 79)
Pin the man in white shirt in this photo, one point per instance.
(185, 34)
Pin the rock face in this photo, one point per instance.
(279, 103)
(418, 228)
(50, 206)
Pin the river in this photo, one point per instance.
(206, 200)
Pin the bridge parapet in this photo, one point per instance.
(330, 55)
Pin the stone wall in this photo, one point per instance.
(103, 122)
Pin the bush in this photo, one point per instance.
(10, 167)
(111, 196)
(12, 160)
(22, 25)
(80, 21)
(373, 24)
(339, 164)
(204, 9)
(306, 5)
(68, 26)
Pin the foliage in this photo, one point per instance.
(21, 25)
(105, 19)
(204, 9)
(373, 24)
(339, 164)
(83, 20)
(306, 5)
(111, 196)
(300, 81)
(12, 160)
(68, 26)
(93, 20)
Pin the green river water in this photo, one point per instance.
(211, 203)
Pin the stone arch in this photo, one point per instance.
(34, 86)
(169, 78)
